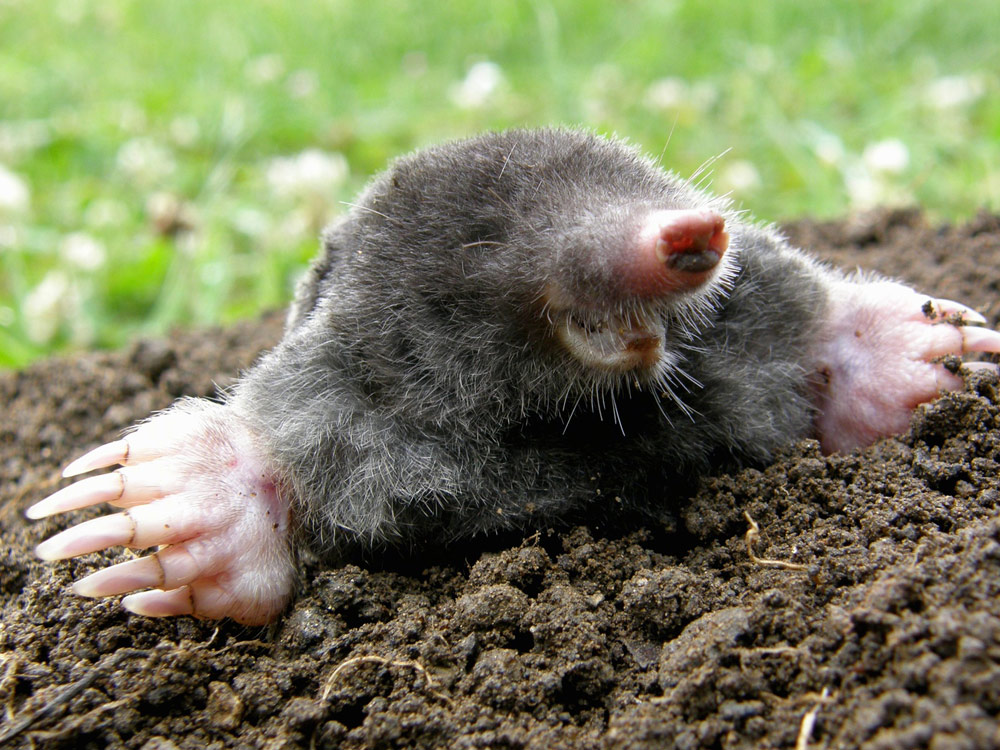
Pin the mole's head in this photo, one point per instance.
(608, 301)
(546, 261)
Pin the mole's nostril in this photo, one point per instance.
(696, 261)
(674, 250)
(692, 241)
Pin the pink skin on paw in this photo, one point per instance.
(876, 360)
(193, 485)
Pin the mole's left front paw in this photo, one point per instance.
(880, 357)
(193, 484)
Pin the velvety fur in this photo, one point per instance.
(418, 394)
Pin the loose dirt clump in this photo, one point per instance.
(883, 633)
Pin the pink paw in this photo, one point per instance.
(194, 485)
(878, 358)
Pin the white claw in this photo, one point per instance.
(980, 366)
(980, 340)
(150, 441)
(160, 603)
(141, 526)
(168, 568)
(129, 486)
(141, 573)
(106, 455)
(89, 536)
(946, 307)
(105, 488)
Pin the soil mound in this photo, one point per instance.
(886, 634)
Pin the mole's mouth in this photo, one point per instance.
(615, 342)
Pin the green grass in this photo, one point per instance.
(147, 130)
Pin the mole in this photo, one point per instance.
(502, 331)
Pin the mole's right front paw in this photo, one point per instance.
(193, 483)
(880, 357)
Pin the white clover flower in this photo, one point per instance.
(991, 187)
(71, 11)
(105, 212)
(830, 150)
(23, 136)
(234, 119)
(312, 172)
(132, 118)
(952, 92)
(704, 94)
(296, 226)
(479, 84)
(83, 251)
(44, 307)
(890, 156)
(251, 221)
(184, 129)
(761, 58)
(740, 177)
(667, 93)
(863, 189)
(868, 187)
(15, 196)
(302, 84)
(145, 160)
(190, 244)
(264, 68)
(827, 146)
(676, 93)
(169, 213)
(212, 273)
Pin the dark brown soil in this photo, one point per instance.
(587, 638)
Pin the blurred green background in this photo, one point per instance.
(170, 163)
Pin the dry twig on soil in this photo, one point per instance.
(809, 722)
(753, 533)
(372, 659)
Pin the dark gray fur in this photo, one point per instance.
(415, 396)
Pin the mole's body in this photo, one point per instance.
(504, 330)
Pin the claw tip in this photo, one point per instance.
(83, 588)
(135, 604)
(99, 458)
(34, 513)
(47, 551)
